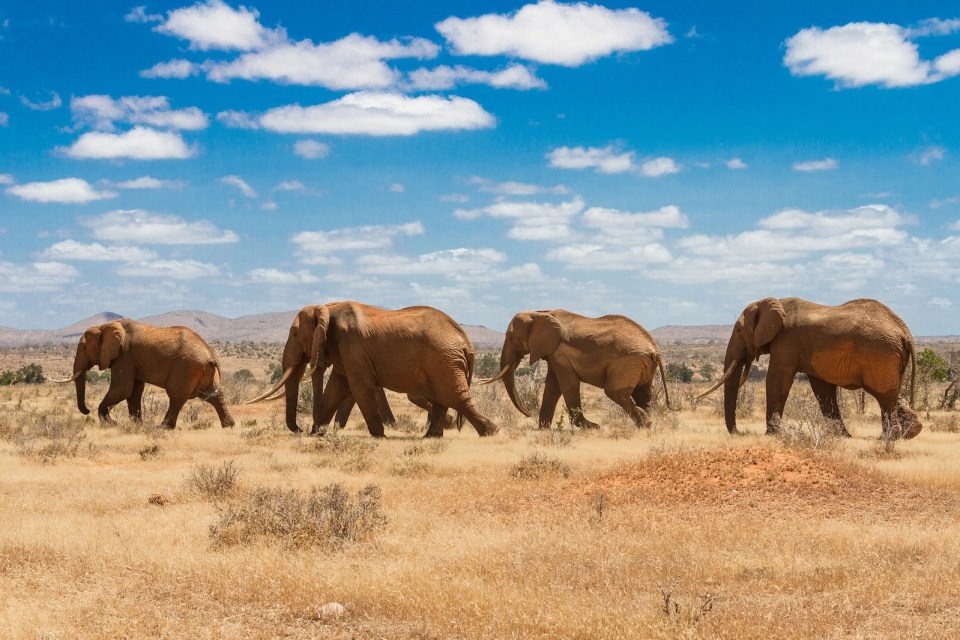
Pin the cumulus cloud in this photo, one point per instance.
(929, 155)
(239, 183)
(149, 182)
(603, 257)
(513, 188)
(735, 164)
(4, 119)
(827, 164)
(215, 25)
(35, 276)
(552, 33)
(178, 69)
(530, 220)
(275, 276)
(353, 62)
(865, 53)
(103, 112)
(446, 262)
(73, 250)
(237, 120)
(313, 246)
(6, 178)
(170, 269)
(444, 77)
(379, 114)
(53, 103)
(625, 227)
(139, 14)
(290, 185)
(609, 160)
(140, 143)
(136, 225)
(63, 191)
(311, 149)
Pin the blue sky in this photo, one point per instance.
(671, 161)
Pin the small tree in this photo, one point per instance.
(930, 368)
(486, 366)
(707, 371)
(243, 375)
(679, 372)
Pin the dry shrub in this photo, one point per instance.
(538, 465)
(150, 451)
(949, 423)
(344, 453)
(809, 430)
(327, 516)
(48, 437)
(408, 424)
(214, 483)
(492, 401)
(560, 438)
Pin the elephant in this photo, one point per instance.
(611, 352)
(173, 358)
(386, 413)
(419, 351)
(860, 344)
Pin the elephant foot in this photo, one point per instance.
(317, 431)
(168, 427)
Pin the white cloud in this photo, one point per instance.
(269, 205)
(139, 14)
(275, 276)
(175, 269)
(604, 160)
(515, 76)
(353, 62)
(929, 155)
(943, 303)
(934, 27)
(149, 182)
(63, 191)
(313, 246)
(214, 25)
(102, 112)
(447, 262)
(658, 167)
(36, 276)
(865, 53)
(4, 119)
(955, 226)
(599, 256)
(530, 220)
(140, 143)
(53, 103)
(736, 164)
(290, 185)
(397, 187)
(239, 183)
(827, 164)
(73, 250)
(563, 34)
(513, 188)
(237, 120)
(178, 69)
(140, 226)
(311, 149)
(379, 114)
(622, 226)
(6, 178)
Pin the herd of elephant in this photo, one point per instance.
(422, 352)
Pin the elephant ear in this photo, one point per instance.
(770, 315)
(322, 317)
(546, 333)
(113, 338)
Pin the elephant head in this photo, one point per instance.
(306, 344)
(99, 346)
(752, 334)
(538, 333)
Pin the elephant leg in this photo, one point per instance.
(779, 382)
(426, 405)
(889, 416)
(121, 388)
(551, 396)
(217, 401)
(643, 396)
(436, 419)
(336, 392)
(826, 395)
(624, 398)
(570, 389)
(386, 413)
(344, 411)
(135, 401)
(484, 425)
(367, 401)
(176, 403)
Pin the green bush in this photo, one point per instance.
(679, 373)
(27, 374)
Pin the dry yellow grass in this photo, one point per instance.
(749, 536)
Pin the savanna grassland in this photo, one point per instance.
(677, 531)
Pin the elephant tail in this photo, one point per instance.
(663, 377)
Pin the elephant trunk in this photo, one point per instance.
(292, 396)
(81, 382)
(731, 389)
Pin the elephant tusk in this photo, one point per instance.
(745, 375)
(726, 376)
(499, 376)
(66, 380)
(263, 396)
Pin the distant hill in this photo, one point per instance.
(273, 328)
(264, 327)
